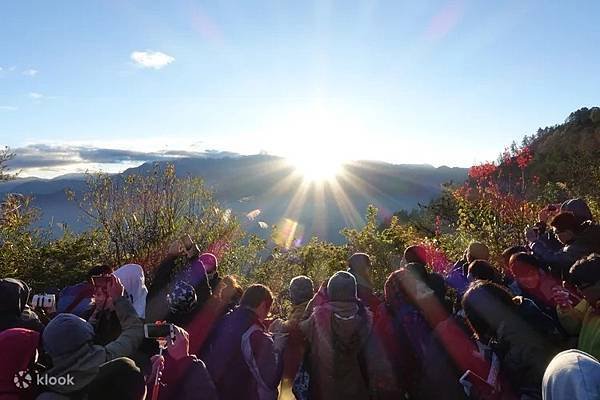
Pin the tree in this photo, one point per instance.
(5, 156)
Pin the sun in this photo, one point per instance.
(317, 168)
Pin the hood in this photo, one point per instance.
(14, 295)
(65, 334)
(132, 278)
(577, 207)
(345, 323)
(574, 375)
(18, 348)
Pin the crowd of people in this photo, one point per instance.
(528, 329)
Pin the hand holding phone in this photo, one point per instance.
(561, 297)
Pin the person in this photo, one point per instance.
(579, 208)
(68, 341)
(572, 375)
(535, 283)
(457, 277)
(177, 297)
(578, 240)
(583, 320)
(337, 333)
(243, 359)
(301, 291)
(403, 332)
(415, 254)
(522, 352)
(359, 265)
(14, 308)
(18, 347)
(118, 379)
(483, 270)
(183, 376)
(78, 299)
(133, 280)
(224, 300)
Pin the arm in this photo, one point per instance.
(162, 275)
(268, 360)
(571, 318)
(560, 261)
(132, 331)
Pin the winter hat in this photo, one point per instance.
(119, 379)
(416, 254)
(342, 287)
(18, 347)
(579, 208)
(209, 260)
(12, 296)
(182, 298)
(65, 334)
(301, 289)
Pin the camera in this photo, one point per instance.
(45, 301)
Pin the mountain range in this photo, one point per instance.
(269, 184)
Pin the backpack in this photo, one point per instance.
(264, 391)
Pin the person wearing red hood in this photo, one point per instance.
(18, 347)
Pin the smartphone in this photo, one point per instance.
(472, 380)
(159, 331)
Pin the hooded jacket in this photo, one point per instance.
(18, 348)
(583, 321)
(68, 340)
(14, 295)
(573, 375)
(585, 242)
(338, 335)
(225, 359)
(132, 278)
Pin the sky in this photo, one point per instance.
(109, 84)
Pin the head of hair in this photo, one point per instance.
(255, 295)
(394, 290)
(507, 253)
(487, 305)
(101, 269)
(477, 251)
(524, 263)
(416, 254)
(483, 270)
(565, 221)
(417, 269)
(586, 270)
(359, 260)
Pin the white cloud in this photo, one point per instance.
(151, 59)
(30, 72)
(36, 96)
(8, 108)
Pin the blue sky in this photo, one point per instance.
(439, 82)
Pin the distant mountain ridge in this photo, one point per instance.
(270, 184)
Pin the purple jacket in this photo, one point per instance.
(225, 361)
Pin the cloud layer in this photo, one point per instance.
(49, 156)
(151, 59)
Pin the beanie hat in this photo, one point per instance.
(342, 287)
(182, 298)
(577, 207)
(209, 261)
(118, 379)
(301, 289)
(65, 334)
